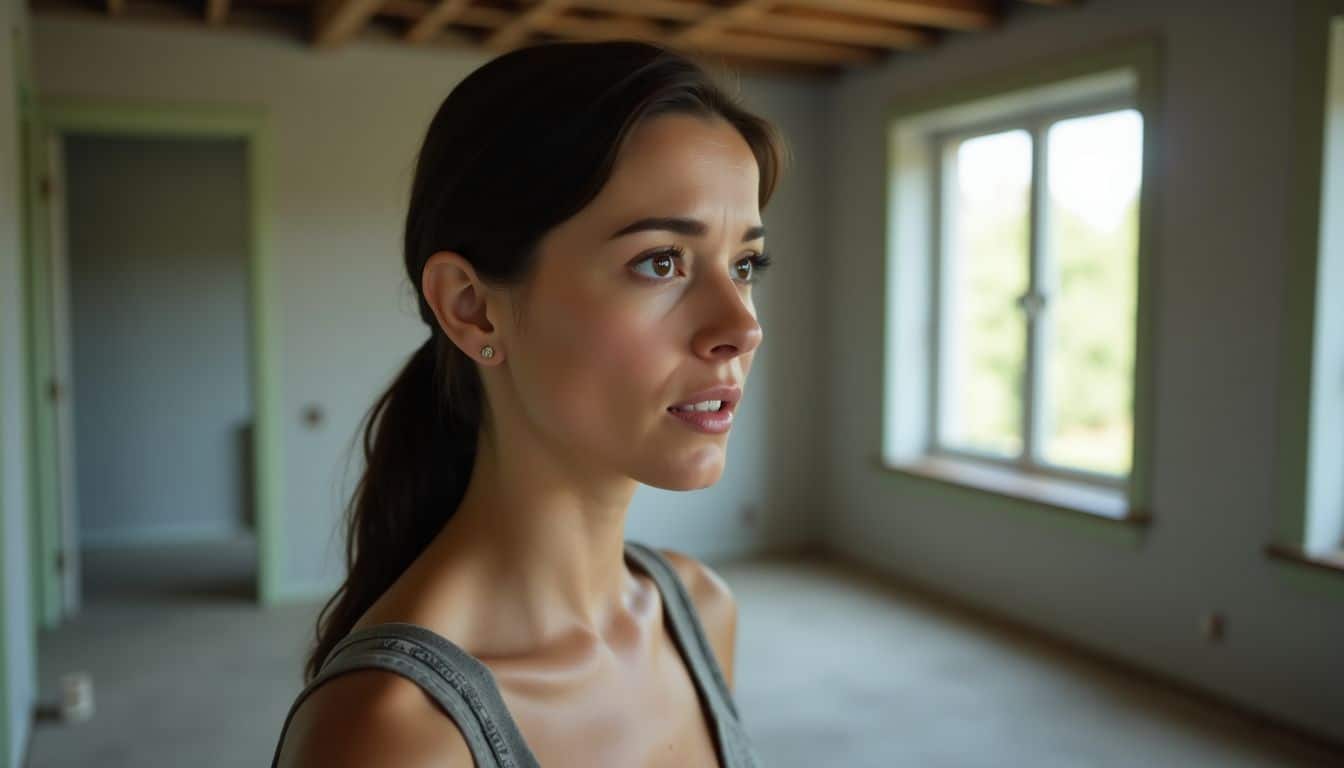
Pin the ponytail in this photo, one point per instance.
(419, 448)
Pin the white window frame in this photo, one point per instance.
(1324, 508)
(1308, 539)
(1125, 73)
(1036, 122)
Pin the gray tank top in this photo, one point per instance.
(465, 688)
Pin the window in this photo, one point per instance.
(1325, 461)
(1309, 528)
(1017, 345)
(1037, 255)
(1324, 244)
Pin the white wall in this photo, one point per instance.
(19, 659)
(158, 255)
(1227, 82)
(347, 125)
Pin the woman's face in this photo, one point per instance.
(619, 327)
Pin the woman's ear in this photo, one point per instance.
(460, 300)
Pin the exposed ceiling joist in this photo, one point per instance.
(674, 10)
(432, 23)
(336, 21)
(216, 11)
(714, 22)
(781, 36)
(517, 31)
(947, 14)
(890, 36)
(812, 27)
(722, 43)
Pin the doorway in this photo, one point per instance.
(154, 439)
(155, 375)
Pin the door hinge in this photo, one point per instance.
(60, 561)
(44, 189)
(54, 391)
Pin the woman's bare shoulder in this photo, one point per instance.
(714, 603)
(372, 717)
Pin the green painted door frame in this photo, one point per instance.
(22, 74)
(55, 116)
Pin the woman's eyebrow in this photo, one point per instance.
(690, 227)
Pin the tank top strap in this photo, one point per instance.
(736, 749)
(686, 626)
(460, 684)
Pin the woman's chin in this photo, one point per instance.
(687, 478)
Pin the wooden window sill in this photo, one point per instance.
(1105, 504)
(1328, 561)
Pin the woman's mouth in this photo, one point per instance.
(710, 416)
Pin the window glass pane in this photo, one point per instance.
(986, 269)
(1091, 263)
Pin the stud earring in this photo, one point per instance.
(487, 351)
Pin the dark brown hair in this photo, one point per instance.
(520, 145)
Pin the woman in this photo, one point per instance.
(584, 230)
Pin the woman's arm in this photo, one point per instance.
(372, 717)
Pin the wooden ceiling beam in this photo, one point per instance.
(790, 50)
(472, 16)
(847, 32)
(517, 31)
(216, 11)
(636, 29)
(432, 23)
(714, 29)
(947, 14)
(828, 30)
(721, 43)
(337, 21)
(674, 10)
(712, 23)
(891, 36)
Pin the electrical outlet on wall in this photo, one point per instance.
(1213, 626)
(747, 514)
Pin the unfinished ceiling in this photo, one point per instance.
(790, 36)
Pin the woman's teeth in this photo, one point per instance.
(708, 405)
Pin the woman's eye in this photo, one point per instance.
(662, 263)
(756, 265)
(745, 270)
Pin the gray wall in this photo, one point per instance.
(1226, 143)
(158, 250)
(345, 144)
(346, 126)
(19, 660)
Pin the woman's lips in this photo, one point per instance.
(712, 422)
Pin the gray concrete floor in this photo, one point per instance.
(834, 668)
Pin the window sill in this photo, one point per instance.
(1321, 573)
(1058, 494)
(1328, 561)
